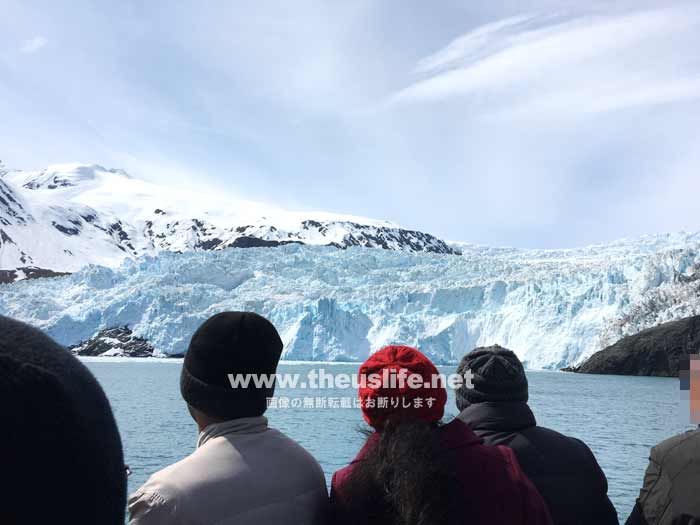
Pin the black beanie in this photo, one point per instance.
(230, 343)
(496, 375)
(62, 455)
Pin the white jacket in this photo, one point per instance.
(242, 472)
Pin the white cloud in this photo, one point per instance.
(527, 65)
(34, 44)
(472, 44)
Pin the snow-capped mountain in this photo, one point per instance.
(553, 307)
(71, 215)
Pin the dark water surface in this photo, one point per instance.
(620, 418)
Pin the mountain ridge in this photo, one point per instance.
(67, 216)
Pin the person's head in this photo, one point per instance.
(225, 347)
(404, 477)
(62, 454)
(690, 381)
(494, 373)
(400, 383)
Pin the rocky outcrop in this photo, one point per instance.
(652, 352)
(255, 242)
(114, 342)
(27, 272)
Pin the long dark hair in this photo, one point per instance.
(406, 478)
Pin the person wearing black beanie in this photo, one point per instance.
(242, 471)
(493, 401)
(62, 454)
(230, 342)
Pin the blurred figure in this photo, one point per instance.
(690, 380)
(563, 468)
(242, 471)
(414, 471)
(62, 456)
(670, 493)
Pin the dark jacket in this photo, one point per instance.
(492, 483)
(671, 489)
(563, 469)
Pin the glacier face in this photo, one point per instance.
(553, 307)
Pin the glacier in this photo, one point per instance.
(554, 308)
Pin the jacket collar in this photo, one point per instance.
(504, 416)
(244, 425)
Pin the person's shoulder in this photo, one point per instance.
(554, 435)
(166, 484)
(341, 476)
(292, 450)
(675, 444)
(179, 478)
(550, 443)
(502, 468)
(156, 500)
(283, 441)
(572, 443)
(493, 459)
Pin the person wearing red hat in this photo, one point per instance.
(413, 470)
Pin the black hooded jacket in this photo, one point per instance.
(563, 468)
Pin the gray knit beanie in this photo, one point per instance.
(496, 375)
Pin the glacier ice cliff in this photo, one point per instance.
(553, 307)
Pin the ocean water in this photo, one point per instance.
(620, 418)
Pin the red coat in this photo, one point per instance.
(494, 489)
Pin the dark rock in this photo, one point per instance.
(652, 352)
(54, 183)
(30, 272)
(4, 238)
(209, 244)
(255, 242)
(313, 224)
(117, 230)
(8, 276)
(65, 230)
(118, 341)
(11, 211)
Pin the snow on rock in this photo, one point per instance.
(71, 215)
(114, 342)
(553, 307)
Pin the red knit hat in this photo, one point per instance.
(386, 386)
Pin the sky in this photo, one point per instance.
(523, 123)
